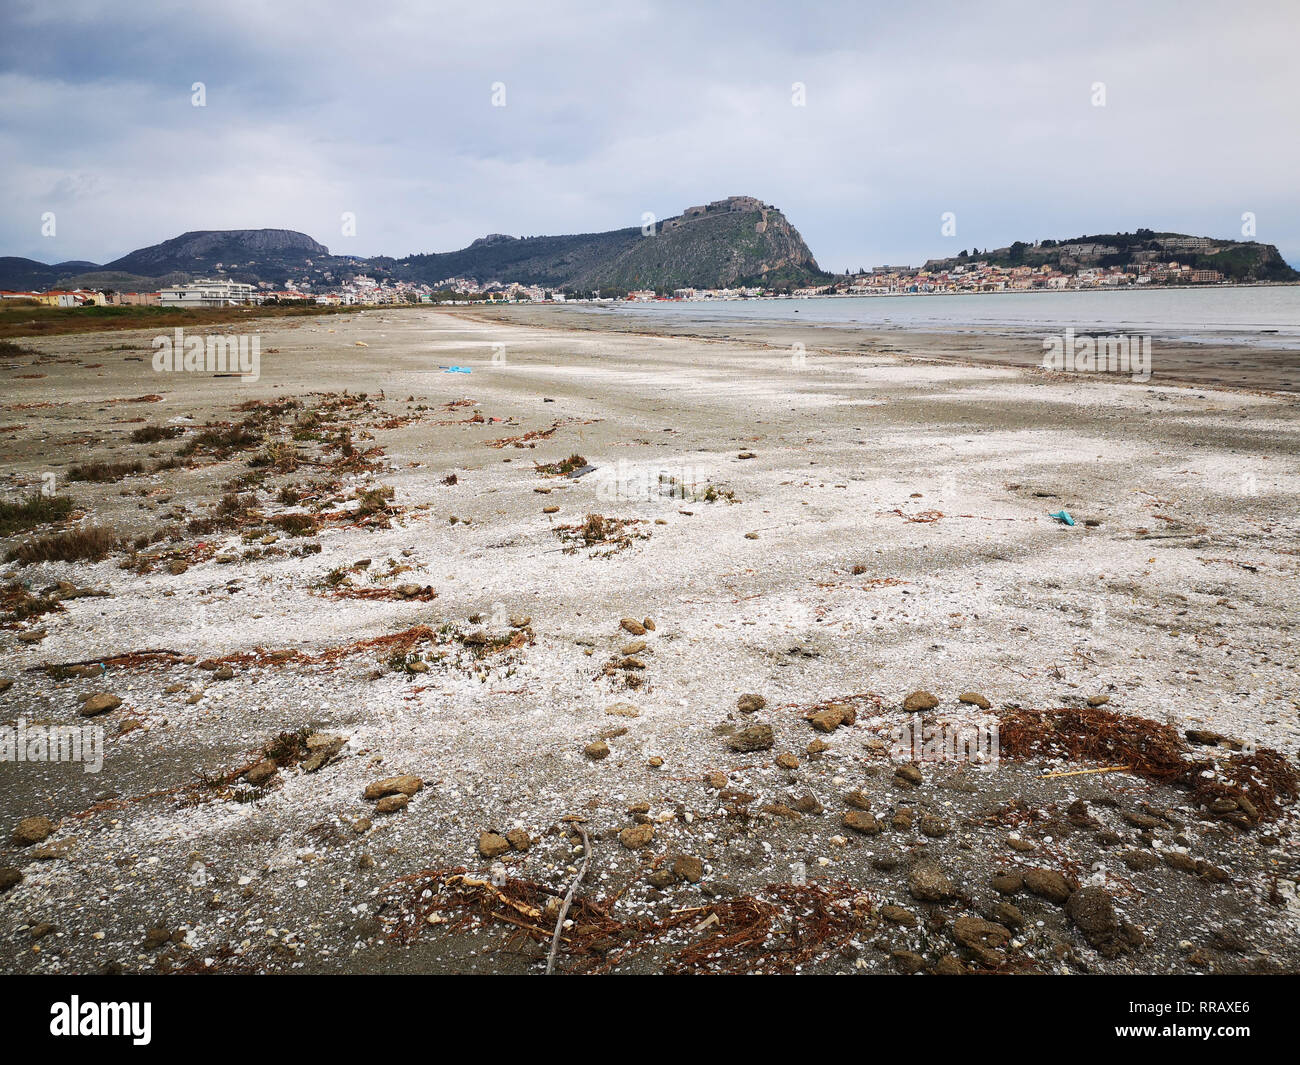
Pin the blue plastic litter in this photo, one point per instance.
(1062, 516)
(456, 369)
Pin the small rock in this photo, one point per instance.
(9, 877)
(753, 738)
(974, 932)
(490, 845)
(390, 804)
(519, 839)
(596, 750)
(908, 774)
(974, 699)
(688, 867)
(920, 700)
(1093, 913)
(99, 704)
(636, 836)
(633, 626)
(223, 672)
(750, 703)
(826, 720)
(787, 761)
(1008, 913)
(858, 799)
(861, 821)
(1098, 700)
(898, 915)
(402, 785)
(1008, 883)
(908, 962)
(32, 830)
(1048, 884)
(927, 883)
(934, 827)
(324, 749)
(262, 772)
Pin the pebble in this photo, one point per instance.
(898, 915)
(1048, 884)
(862, 821)
(635, 837)
(401, 785)
(753, 738)
(99, 704)
(490, 845)
(689, 868)
(920, 700)
(32, 830)
(928, 883)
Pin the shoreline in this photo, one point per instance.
(1186, 364)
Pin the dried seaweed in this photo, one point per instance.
(1244, 788)
(785, 927)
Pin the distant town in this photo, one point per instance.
(975, 276)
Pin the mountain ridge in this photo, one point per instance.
(734, 242)
(730, 242)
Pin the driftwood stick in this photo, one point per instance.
(568, 899)
(1083, 772)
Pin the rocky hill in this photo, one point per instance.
(257, 250)
(1237, 260)
(726, 243)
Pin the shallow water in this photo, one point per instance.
(1266, 316)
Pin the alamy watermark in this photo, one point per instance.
(1127, 353)
(230, 354)
(53, 743)
(916, 742)
(624, 482)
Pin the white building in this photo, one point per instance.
(207, 293)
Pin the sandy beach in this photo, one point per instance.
(833, 533)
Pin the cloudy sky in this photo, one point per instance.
(386, 110)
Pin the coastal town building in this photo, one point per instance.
(207, 293)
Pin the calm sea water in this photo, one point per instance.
(1264, 316)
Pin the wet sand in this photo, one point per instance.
(1174, 361)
